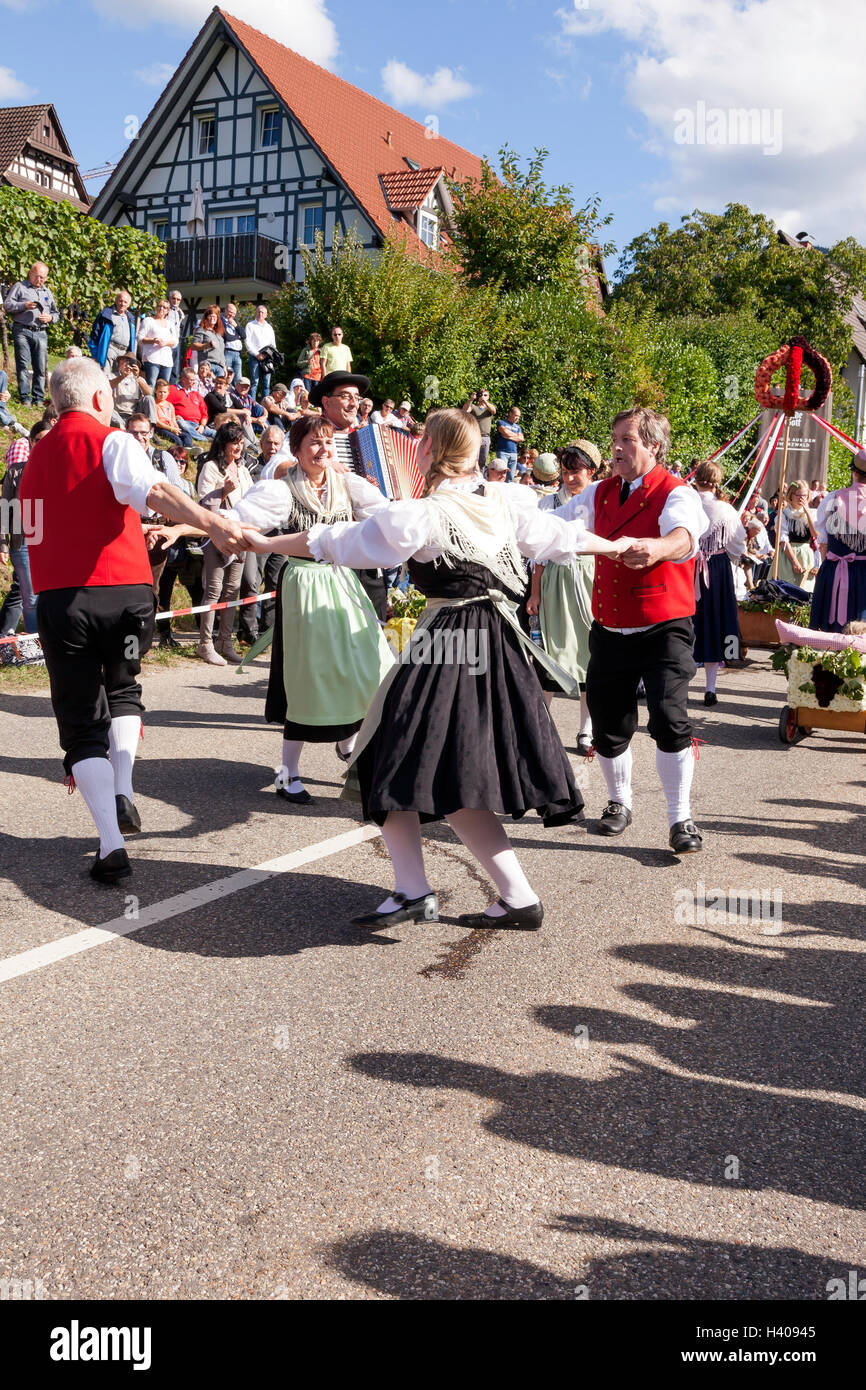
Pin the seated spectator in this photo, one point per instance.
(278, 408)
(385, 415)
(365, 410)
(242, 398)
(7, 419)
(758, 554)
(164, 417)
(545, 474)
(73, 351)
(208, 341)
(131, 392)
(403, 418)
(190, 410)
(309, 362)
(157, 340)
(497, 470)
(304, 407)
(219, 403)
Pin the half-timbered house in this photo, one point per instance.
(35, 154)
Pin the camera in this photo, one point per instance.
(270, 358)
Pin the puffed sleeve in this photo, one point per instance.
(824, 507)
(389, 536)
(129, 471)
(366, 497)
(684, 509)
(736, 543)
(266, 506)
(783, 524)
(542, 535)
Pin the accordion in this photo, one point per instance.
(386, 458)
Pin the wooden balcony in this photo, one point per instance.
(195, 260)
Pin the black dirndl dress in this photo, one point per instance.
(717, 624)
(456, 736)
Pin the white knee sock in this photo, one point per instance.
(402, 835)
(123, 740)
(711, 670)
(585, 730)
(347, 745)
(95, 780)
(676, 771)
(289, 775)
(484, 836)
(617, 775)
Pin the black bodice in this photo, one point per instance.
(459, 579)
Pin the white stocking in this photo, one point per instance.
(617, 775)
(711, 670)
(676, 771)
(402, 835)
(289, 775)
(347, 745)
(484, 836)
(95, 780)
(123, 739)
(585, 730)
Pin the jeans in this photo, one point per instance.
(153, 373)
(10, 613)
(233, 362)
(31, 351)
(510, 460)
(256, 372)
(191, 434)
(21, 569)
(178, 354)
(5, 417)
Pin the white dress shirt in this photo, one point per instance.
(258, 336)
(129, 471)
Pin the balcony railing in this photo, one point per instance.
(245, 257)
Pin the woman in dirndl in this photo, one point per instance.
(459, 729)
(562, 594)
(329, 653)
(717, 626)
(797, 538)
(840, 589)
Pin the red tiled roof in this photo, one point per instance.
(409, 188)
(364, 140)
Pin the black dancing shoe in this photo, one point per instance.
(584, 746)
(301, 798)
(572, 815)
(128, 819)
(710, 697)
(685, 838)
(113, 867)
(614, 819)
(423, 909)
(514, 919)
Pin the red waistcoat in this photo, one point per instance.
(82, 534)
(623, 597)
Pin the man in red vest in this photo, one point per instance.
(85, 488)
(642, 603)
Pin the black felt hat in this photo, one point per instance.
(333, 381)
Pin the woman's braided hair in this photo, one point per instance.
(455, 437)
(708, 477)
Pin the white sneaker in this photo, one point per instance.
(206, 652)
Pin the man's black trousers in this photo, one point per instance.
(662, 658)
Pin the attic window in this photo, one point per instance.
(428, 228)
(412, 163)
(46, 132)
(206, 134)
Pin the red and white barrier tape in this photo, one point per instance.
(214, 607)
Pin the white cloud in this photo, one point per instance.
(157, 75)
(303, 25)
(796, 58)
(11, 87)
(404, 87)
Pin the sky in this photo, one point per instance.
(657, 106)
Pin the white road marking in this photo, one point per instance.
(27, 961)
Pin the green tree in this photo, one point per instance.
(86, 260)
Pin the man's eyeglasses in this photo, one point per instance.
(347, 398)
(139, 434)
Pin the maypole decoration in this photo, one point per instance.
(790, 399)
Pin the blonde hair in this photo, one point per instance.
(454, 438)
(708, 477)
(796, 486)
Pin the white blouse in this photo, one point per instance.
(268, 504)
(725, 531)
(400, 530)
(786, 516)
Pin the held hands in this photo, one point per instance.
(256, 542)
(163, 536)
(638, 554)
(226, 534)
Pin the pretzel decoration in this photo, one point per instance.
(791, 397)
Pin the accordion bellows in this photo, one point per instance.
(386, 458)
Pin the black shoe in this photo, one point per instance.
(301, 798)
(423, 909)
(128, 819)
(614, 819)
(584, 746)
(685, 838)
(113, 867)
(710, 698)
(168, 639)
(551, 820)
(515, 919)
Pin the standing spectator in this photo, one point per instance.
(13, 545)
(113, 333)
(140, 429)
(309, 362)
(258, 336)
(164, 417)
(177, 321)
(30, 305)
(481, 408)
(365, 410)
(336, 356)
(158, 341)
(384, 415)
(508, 436)
(190, 410)
(7, 419)
(233, 340)
(223, 481)
(817, 493)
(208, 341)
(131, 392)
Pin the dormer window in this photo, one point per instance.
(428, 228)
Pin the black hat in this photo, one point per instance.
(330, 383)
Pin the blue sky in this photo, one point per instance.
(636, 100)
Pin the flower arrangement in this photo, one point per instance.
(406, 606)
(833, 680)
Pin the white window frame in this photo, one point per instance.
(432, 218)
(200, 119)
(232, 215)
(302, 216)
(269, 111)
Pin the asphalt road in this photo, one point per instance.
(244, 1097)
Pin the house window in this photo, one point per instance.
(314, 221)
(206, 134)
(428, 228)
(237, 225)
(46, 132)
(270, 128)
(159, 228)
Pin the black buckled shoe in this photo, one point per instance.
(514, 919)
(584, 746)
(301, 798)
(614, 819)
(112, 868)
(423, 909)
(128, 819)
(685, 838)
(710, 697)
